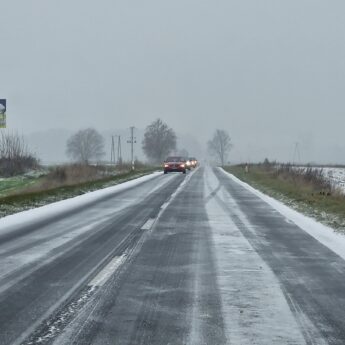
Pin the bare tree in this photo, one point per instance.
(220, 145)
(15, 157)
(85, 145)
(158, 141)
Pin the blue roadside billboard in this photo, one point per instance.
(2, 113)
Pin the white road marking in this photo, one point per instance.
(165, 205)
(107, 271)
(148, 224)
(173, 196)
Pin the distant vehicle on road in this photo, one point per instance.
(175, 163)
(193, 162)
(188, 163)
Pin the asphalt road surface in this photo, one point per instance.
(178, 259)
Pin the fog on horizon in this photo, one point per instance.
(270, 72)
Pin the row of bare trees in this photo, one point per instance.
(158, 142)
(87, 144)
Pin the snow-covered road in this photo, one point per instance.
(196, 259)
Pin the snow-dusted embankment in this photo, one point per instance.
(59, 208)
(324, 234)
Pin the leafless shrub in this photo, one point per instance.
(15, 157)
(58, 174)
(72, 174)
(75, 173)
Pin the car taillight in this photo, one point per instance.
(166, 165)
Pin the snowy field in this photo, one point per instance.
(336, 176)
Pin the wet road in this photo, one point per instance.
(194, 259)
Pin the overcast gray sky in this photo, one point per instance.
(270, 72)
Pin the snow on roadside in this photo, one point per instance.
(322, 233)
(33, 215)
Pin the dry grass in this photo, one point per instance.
(67, 175)
(308, 178)
(77, 174)
(305, 189)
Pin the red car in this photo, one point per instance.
(175, 164)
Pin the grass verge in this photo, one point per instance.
(13, 184)
(312, 197)
(32, 196)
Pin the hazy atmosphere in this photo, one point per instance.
(172, 172)
(271, 73)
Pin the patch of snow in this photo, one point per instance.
(336, 176)
(54, 326)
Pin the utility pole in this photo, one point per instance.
(132, 141)
(119, 153)
(112, 152)
(296, 154)
(118, 150)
